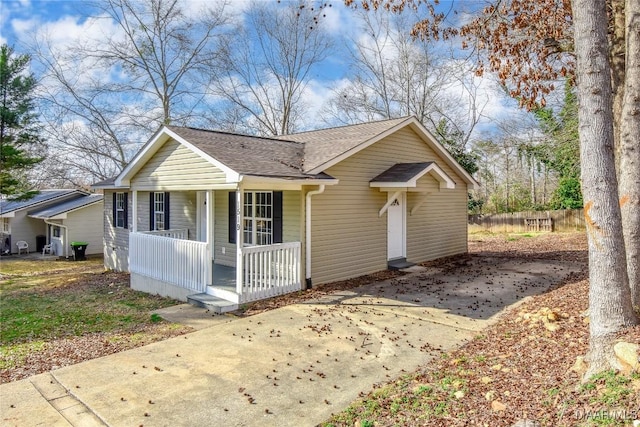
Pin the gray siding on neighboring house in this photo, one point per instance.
(182, 211)
(350, 239)
(116, 240)
(175, 167)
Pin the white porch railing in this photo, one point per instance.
(269, 271)
(180, 262)
(173, 233)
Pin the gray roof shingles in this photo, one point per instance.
(291, 156)
(322, 146)
(60, 208)
(7, 206)
(249, 155)
(401, 172)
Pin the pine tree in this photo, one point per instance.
(19, 132)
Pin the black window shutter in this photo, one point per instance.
(115, 212)
(232, 217)
(126, 210)
(277, 217)
(166, 211)
(152, 216)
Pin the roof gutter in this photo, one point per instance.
(320, 190)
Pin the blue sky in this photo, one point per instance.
(21, 19)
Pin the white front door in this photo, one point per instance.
(396, 228)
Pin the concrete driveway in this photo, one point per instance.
(293, 366)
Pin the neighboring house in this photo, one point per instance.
(55, 217)
(244, 218)
(76, 220)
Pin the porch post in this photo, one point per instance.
(134, 211)
(239, 239)
(209, 260)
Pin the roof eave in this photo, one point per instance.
(161, 136)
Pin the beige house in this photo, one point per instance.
(242, 218)
(53, 217)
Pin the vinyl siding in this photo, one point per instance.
(350, 239)
(439, 227)
(175, 167)
(290, 228)
(116, 240)
(182, 211)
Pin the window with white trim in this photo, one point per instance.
(158, 211)
(5, 226)
(120, 210)
(258, 218)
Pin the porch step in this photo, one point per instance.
(214, 304)
(399, 264)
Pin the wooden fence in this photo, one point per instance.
(529, 221)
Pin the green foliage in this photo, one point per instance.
(474, 205)
(563, 149)
(43, 305)
(568, 195)
(19, 133)
(453, 141)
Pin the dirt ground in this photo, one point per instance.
(534, 367)
(523, 368)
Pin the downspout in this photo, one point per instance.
(320, 190)
(66, 236)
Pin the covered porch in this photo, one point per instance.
(232, 246)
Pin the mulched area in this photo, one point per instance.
(518, 369)
(62, 352)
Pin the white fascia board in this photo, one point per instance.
(357, 148)
(11, 214)
(232, 176)
(422, 132)
(154, 144)
(109, 187)
(440, 176)
(264, 182)
(141, 157)
(435, 170)
(443, 152)
(390, 185)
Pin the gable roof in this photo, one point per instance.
(248, 155)
(65, 207)
(321, 146)
(43, 196)
(326, 147)
(301, 156)
(407, 175)
(234, 154)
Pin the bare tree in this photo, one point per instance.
(162, 49)
(106, 93)
(266, 66)
(396, 75)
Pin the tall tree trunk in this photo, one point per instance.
(629, 174)
(610, 307)
(617, 55)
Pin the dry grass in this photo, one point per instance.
(55, 313)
